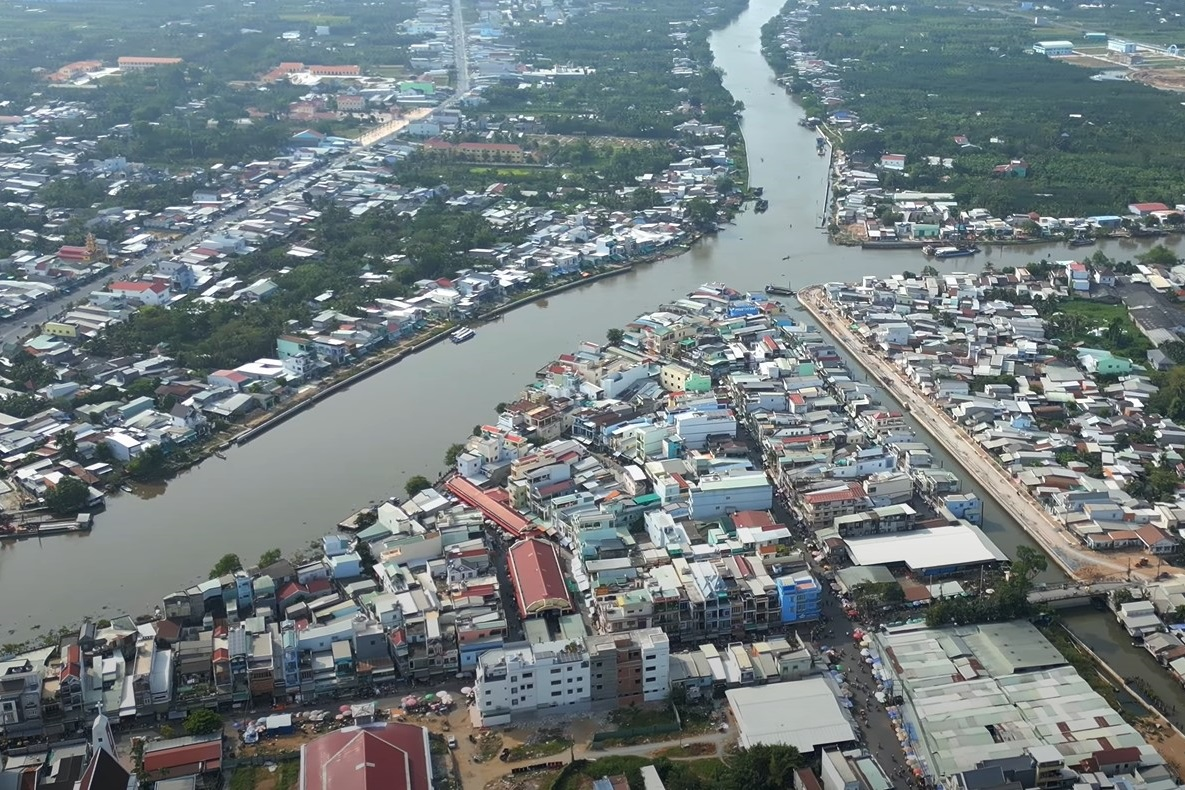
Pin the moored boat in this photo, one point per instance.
(462, 334)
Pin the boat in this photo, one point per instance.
(1081, 241)
(127, 489)
(762, 206)
(821, 152)
(462, 334)
(955, 252)
(779, 290)
(758, 191)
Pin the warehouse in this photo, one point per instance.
(805, 714)
(938, 551)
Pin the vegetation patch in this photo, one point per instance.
(923, 81)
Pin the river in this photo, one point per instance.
(294, 483)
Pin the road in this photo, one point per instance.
(18, 328)
(1063, 548)
(460, 63)
(460, 50)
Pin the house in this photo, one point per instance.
(893, 161)
(307, 137)
(228, 378)
(147, 293)
(1054, 49)
(180, 757)
(1017, 168)
(1144, 209)
(368, 757)
(133, 63)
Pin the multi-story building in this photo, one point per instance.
(522, 677)
(800, 595)
(629, 668)
(820, 508)
(714, 496)
(20, 697)
(878, 521)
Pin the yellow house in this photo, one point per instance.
(59, 329)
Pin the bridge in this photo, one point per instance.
(1064, 596)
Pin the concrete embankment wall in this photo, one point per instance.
(280, 417)
(956, 447)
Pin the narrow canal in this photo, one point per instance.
(294, 483)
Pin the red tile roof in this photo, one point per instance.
(185, 760)
(537, 578)
(500, 514)
(753, 519)
(139, 288)
(851, 491)
(391, 756)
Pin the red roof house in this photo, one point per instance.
(390, 756)
(183, 757)
(537, 578)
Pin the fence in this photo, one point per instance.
(637, 732)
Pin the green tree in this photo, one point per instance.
(68, 445)
(1159, 255)
(68, 496)
(203, 721)
(764, 767)
(452, 453)
(151, 464)
(702, 213)
(228, 564)
(365, 519)
(270, 557)
(615, 336)
(417, 484)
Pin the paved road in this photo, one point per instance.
(1076, 561)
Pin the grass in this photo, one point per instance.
(606, 766)
(689, 750)
(489, 746)
(534, 751)
(636, 717)
(507, 172)
(256, 777)
(1093, 315)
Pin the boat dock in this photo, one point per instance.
(41, 529)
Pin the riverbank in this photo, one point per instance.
(1075, 561)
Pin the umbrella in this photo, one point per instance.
(338, 717)
(466, 690)
(344, 709)
(410, 701)
(865, 652)
(429, 697)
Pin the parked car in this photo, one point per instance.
(452, 741)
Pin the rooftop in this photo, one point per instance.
(817, 718)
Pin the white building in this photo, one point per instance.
(1054, 49)
(718, 495)
(694, 427)
(522, 677)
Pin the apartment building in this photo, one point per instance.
(820, 508)
(521, 677)
(878, 521)
(629, 668)
(608, 670)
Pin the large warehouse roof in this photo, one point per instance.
(537, 578)
(923, 549)
(804, 714)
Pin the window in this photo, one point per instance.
(556, 693)
(555, 682)
(650, 678)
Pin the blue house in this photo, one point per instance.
(799, 594)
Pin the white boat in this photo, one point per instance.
(462, 334)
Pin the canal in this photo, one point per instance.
(294, 483)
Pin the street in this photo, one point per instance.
(1078, 562)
